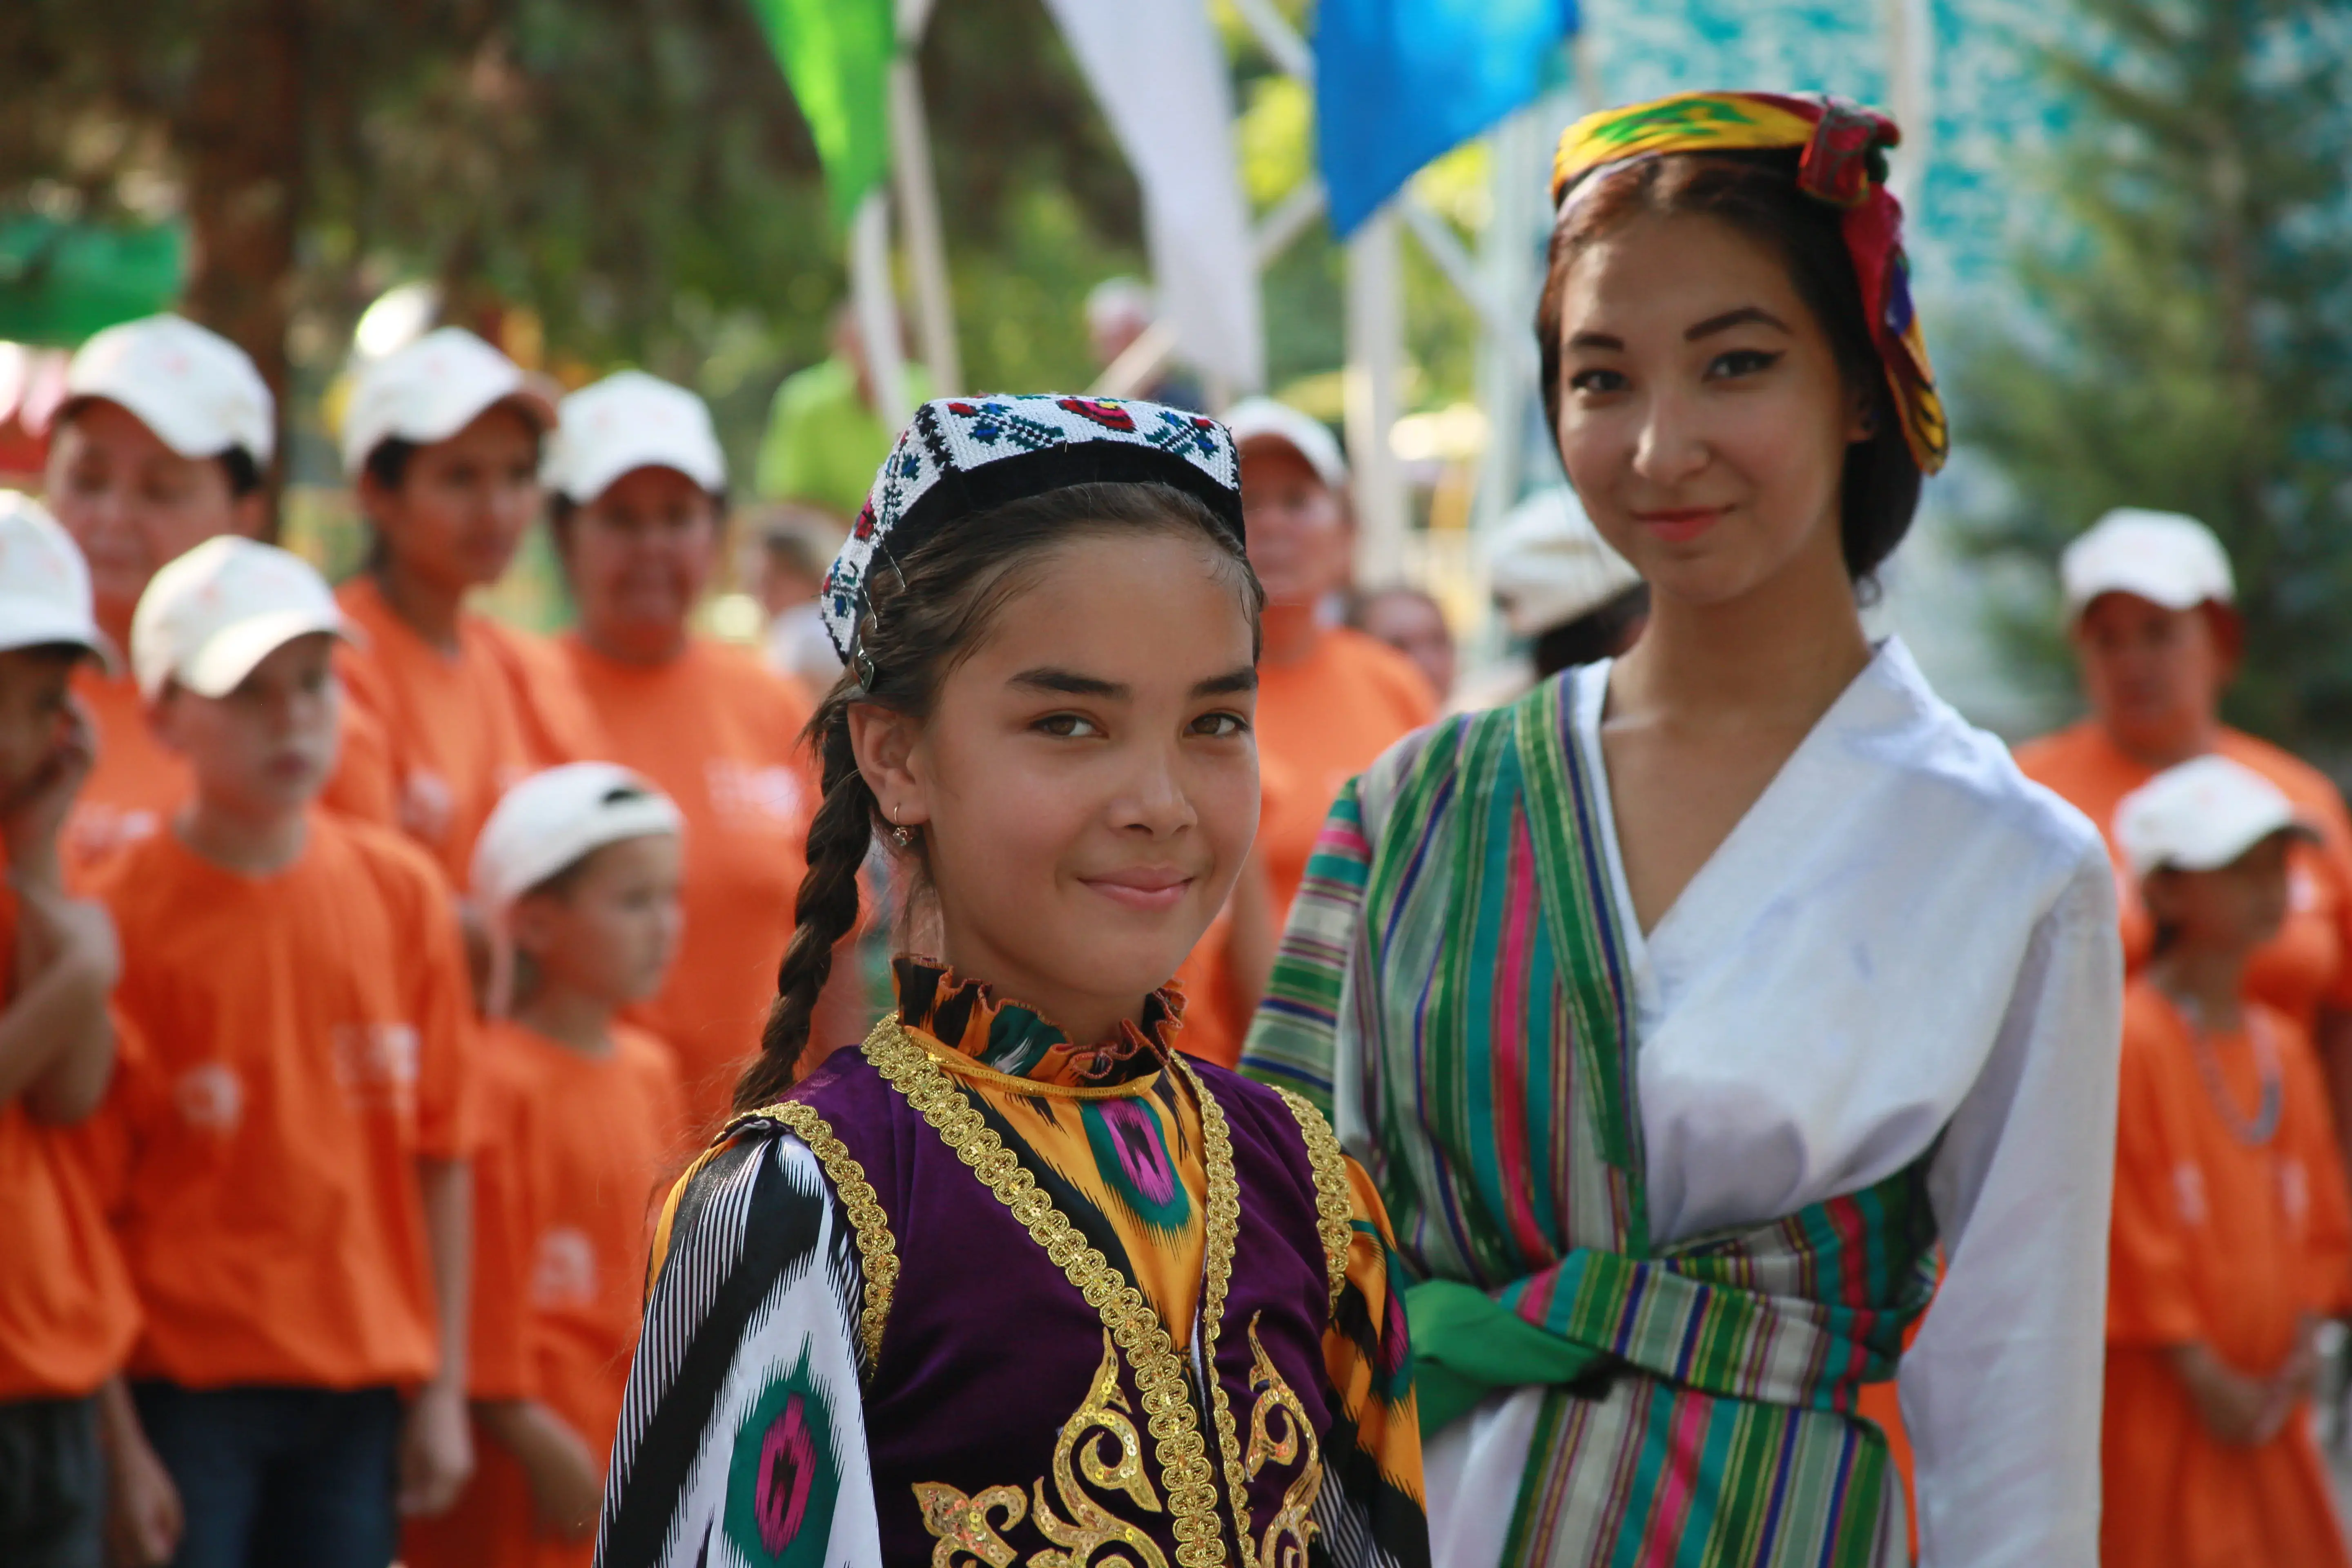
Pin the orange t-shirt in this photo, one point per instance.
(2308, 966)
(459, 728)
(721, 736)
(67, 1313)
(2228, 1244)
(137, 783)
(1325, 720)
(579, 1155)
(307, 1037)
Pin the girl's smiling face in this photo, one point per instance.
(1086, 783)
(1703, 417)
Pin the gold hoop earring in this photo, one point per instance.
(904, 836)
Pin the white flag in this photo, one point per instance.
(1159, 71)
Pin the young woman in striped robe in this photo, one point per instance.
(1687, 1011)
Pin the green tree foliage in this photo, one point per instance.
(2187, 342)
(630, 175)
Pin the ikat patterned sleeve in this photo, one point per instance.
(1293, 1043)
(1372, 1510)
(743, 1438)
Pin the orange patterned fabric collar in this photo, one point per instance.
(1006, 1037)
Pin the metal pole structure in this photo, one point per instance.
(919, 206)
(1910, 90)
(876, 308)
(1375, 356)
(1506, 267)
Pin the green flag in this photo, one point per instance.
(836, 55)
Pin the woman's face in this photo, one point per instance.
(2153, 676)
(1086, 785)
(640, 556)
(462, 507)
(1298, 534)
(133, 504)
(1701, 415)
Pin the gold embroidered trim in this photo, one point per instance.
(1184, 1470)
(878, 1249)
(1334, 1212)
(1223, 1220)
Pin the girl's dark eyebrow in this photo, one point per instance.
(1597, 341)
(1070, 683)
(1730, 319)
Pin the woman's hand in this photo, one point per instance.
(567, 1480)
(2240, 1411)
(144, 1517)
(436, 1450)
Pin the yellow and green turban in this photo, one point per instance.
(1844, 163)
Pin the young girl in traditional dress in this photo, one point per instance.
(2232, 1241)
(1683, 1007)
(1014, 1280)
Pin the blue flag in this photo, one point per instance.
(1399, 82)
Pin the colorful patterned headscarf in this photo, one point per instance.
(963, 454)
(1844, 163)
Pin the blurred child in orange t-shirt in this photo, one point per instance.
(442, 441)
(67, 1313)
(2231, 1237)
(577, 873)
(163, 440)
(285, 1154)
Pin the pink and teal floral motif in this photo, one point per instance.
(784, 1476)
(1131, 1153)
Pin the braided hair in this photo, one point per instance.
(928, 613)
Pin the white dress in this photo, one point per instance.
(1899, 882)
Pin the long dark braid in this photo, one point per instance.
(928, 613)
(825, 910)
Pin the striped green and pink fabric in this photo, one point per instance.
(1453, 987)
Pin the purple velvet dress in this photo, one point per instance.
(970, 1295)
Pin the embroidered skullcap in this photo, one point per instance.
(1843, 163)
(967, 455)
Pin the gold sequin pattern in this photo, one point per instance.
(878, 1249)
(1184, 1470)
(1333, 1209)
(1223, 1226)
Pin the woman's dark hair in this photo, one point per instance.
(1598, 634)
(387, 461)
(1757, 193)
(926, 618)
(244, 474)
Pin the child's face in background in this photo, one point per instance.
(464, 505)
(266, 748)
(2234, 908)
(36, 705)
(610, 930)
(1087, 782)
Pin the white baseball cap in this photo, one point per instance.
(2201, 817)
(431, 390)
(2165, 557)
(631, 420)
(1263, 418)
(44, 583)
(195, 389)
(1548, 564)
(208, 618)
(550, 820)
